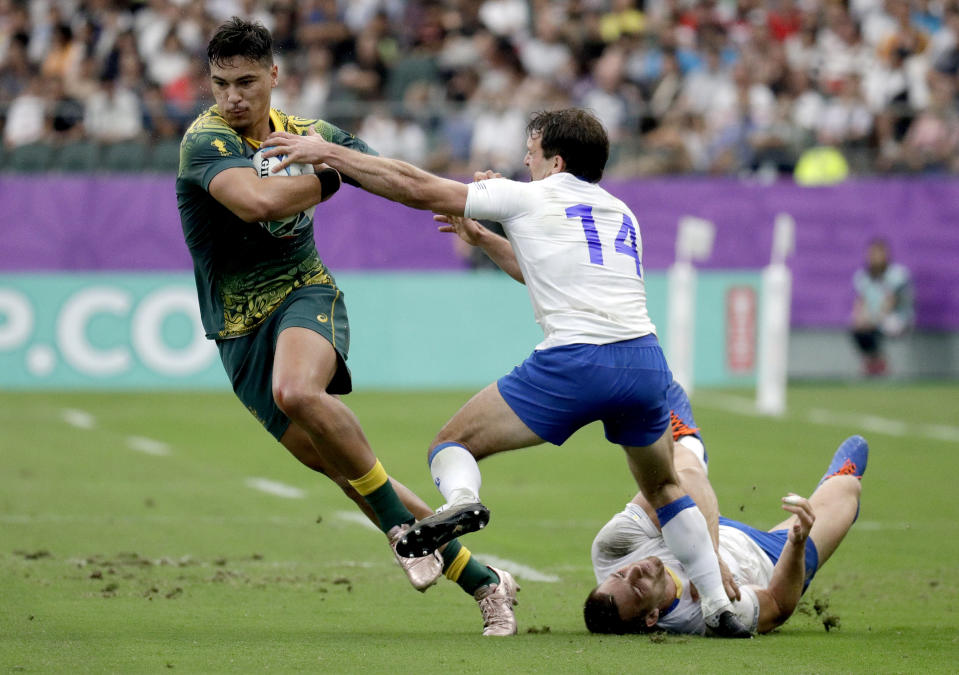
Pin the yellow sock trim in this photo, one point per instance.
(374, 479)
(456, 567)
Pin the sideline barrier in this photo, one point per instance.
(408, 330)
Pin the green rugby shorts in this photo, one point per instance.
(248, 359)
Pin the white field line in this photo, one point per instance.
(879, 425)
(275, 488)
(80, 419)
(823, 417)
(356, 518)
(148, 446)
(517, 569)
(737, 405)
(941, 432)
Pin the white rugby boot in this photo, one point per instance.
(423, 571)
(496, 603)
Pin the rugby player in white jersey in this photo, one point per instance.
(643, 587)
(578, 250)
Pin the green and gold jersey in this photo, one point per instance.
(242, 272)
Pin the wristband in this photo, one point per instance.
(329, 181)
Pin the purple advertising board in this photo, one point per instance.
(71, 223)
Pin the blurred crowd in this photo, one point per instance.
(706, 86)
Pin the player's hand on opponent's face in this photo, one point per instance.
(485, 175)
(468, 229)
(805, 517)
(309, 149)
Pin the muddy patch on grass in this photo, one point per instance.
(817, 608)
(33, 555)
(131, 574)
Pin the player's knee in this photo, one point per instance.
(298, 401)
(289, 397)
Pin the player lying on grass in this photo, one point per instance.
(690, 465)
(579, 252)
(643, 587)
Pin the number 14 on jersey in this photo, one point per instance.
(625, 242)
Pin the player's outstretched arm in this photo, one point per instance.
(390, 178)
(778, 601)
(498, 248)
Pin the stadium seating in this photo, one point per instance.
(77, 157)
(30, 158)
(165, 157)
(125, 156)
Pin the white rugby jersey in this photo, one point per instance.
(631, 535)
(580, 252)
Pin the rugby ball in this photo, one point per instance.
(292, 226)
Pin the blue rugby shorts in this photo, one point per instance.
(772, 543)
(559, 390)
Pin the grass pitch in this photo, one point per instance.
(157, 532)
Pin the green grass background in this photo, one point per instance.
(112, 560)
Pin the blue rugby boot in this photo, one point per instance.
(850, 459)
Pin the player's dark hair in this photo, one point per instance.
(602, 616)
(236, 37)
(575, 135)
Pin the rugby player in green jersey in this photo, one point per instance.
(275, 310)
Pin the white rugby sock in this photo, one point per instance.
(686, 535)
(455, 472)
